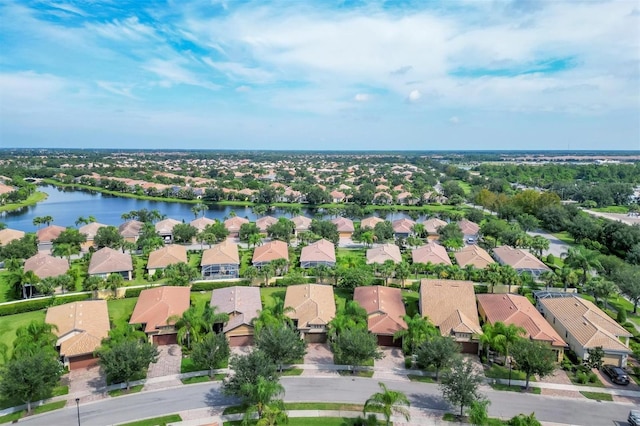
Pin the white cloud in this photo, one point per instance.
(414, 96)
(454, 120)
(171, 72)
(243, 89)
(117, 88)
(362, 97)
(238, 71)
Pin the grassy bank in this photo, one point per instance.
(34, 198)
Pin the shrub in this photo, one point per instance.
(622, 316)
(212, 285)
(408, 362)
(636, 370)
(133, 292)
(551, 259)
(582, 378)
(40, 303)
(481, 288)
(593, 378)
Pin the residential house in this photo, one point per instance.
(312, 308)
(265, 222)
(584, 326)
(432, 226)
(517, 310)
(233, 225)
(470, 230)
(80, 328)
(221, 261)
(431, 252)
(108, 261)
(405, 198)
(383, 253)
(90, 230)
(156, 309)
(43, 265)
(130, 230)
(322, 252)
(168, 255)
(451, 306)
(7, 235)
(385, 311)
(266, 253)
(301, 224)
(201, 223)
(164, 228)
(520, 260)
(370, 222)
(46, 235)
(337, 196)
(242, 304)
(402, 228)
(345, 226)
(474, 256)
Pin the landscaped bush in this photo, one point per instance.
(133, 292)
(40, 303)
(582, 378)
(212, 285)
(481, 288)
(593, 378)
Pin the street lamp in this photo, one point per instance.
(78, 409)
(510, 367)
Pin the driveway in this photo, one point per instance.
(168, 364)
(556, 246)
(320, 356)
(87, 380)
(391, 366)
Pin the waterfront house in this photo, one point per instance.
(322, 252)
(221, 261)
(168, 255)
(108, 261)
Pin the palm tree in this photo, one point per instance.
(402, 270)
(255, 240)
(388, 402)
(505, 336)
(567, 277)
(65, 250)
(251, 272)
(272, 415)
(550, 279)
(85, 220)
(387, 270)
(35, 336)
(581, 258)
(211, 317)
(321, 272)
(600, 288)
(418, 329)
(279, 266)
(509, 276)
(367, 238)
(274, 315)
(190, 325)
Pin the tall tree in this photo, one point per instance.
(184, 233)
(108, 236)
(533, 357)
(261, 395)
(505, 336)
(180, 273)
(355, 346)
(126, 360)
(247, 369)
(211, 352)
(583, 259)
(388, 402)
(460, 384)
(281, 344)
(35, 337)
(438, 351)
(418, 330)
(190, 326)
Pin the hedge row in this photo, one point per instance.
(40, 303)
(212, 285)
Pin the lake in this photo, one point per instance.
(65, 205)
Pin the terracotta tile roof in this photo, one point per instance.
(587, 323)
(302, 223)
(432, 225)
(90, 229)
(45, 265)
(384, 306)
(343, 224)
(49, 233)
(264, 222)
(224, 253)
(201, 223)
(468, 228)
(165, 226)
(107, 260)
(130, 228)
(270, 251)
(156, 305)
(337, 195)
(370, 222)
(167, 255)
(450, 305)
(431, 252)
(233, 224)
(384, 252)
(243, 304)
(81, 326)
(473, 255)
(313, 304)
(7, 235)
(517, 310)
(320, 251)
(5, 189)
(403, 226)
(518, 258)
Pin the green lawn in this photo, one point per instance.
(512, 388)
(359, 373)
(306, 421)
(6, 293)
(423, 379)
(270, 294)
(10, 323)
(411, 299)
(612, 209)
(15, 417)
(34, 198)
(598, 396)
(202, 379)
(120, 392)
(200, 298)
(292, 372)
(500, 372)
(156, 421)
(564, 237)
(120, 310)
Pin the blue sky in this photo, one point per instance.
(352, 75)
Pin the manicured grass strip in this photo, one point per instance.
(564, 237)
(598, 396)
(500, 372)
(596, 384)
(202, 379)
(423, 379)
(612, 209)
(512, 388)
(10, 323)
(292, 372)
(34, 198)
(156, 421)
(14, 417)
(120, 392)
(235, 409)
(60, 390)
(359, 373)
(304, 421)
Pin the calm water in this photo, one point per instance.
(66, 205)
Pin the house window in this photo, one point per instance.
(554, 320)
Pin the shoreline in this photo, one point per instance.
(33, 199)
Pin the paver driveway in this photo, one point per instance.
(87, 380)
(169, 359)
(391, 365)
(320, 355)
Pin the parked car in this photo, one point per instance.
(616, 374)
(634, 418)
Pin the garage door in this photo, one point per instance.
(469, 347)
(315, 337)
(613, 359)
(83, 361)
(388, 341)
(240, 340)
(165, 339)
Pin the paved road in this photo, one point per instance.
(342, 389)
(556, 247)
